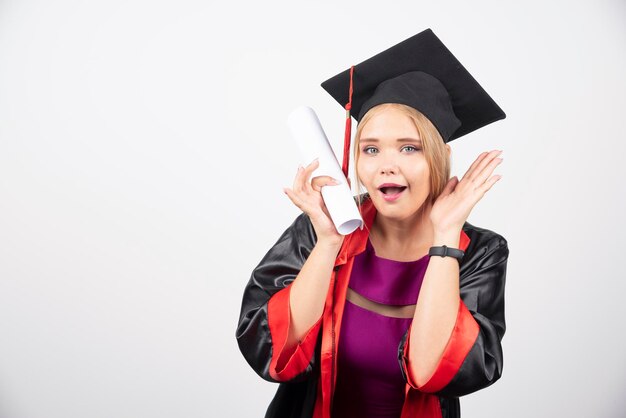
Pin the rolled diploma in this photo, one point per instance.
(307, 131)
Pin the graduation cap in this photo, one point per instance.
(422, 73)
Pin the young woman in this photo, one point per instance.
(402, 317)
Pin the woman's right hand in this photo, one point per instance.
(308, 197)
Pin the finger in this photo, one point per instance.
(293, 197)
(487, 185)
(472, 167)
(306, 173)
(450, 186)
(312, 166)
(483, 164)
(476, 162)
(487, 171)
(297, 181)
(320, 181)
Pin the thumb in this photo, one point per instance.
(450, 186)
(318, 182)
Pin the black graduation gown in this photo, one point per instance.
(482, 283)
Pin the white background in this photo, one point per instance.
(143, 151)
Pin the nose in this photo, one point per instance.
(389, 167)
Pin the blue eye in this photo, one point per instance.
(366, 149)
(411, 146)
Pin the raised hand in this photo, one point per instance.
(308, 197)
(453, 206)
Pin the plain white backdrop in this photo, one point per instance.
(143, 151)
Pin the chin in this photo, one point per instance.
(398, 210)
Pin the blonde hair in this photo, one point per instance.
(433, 146)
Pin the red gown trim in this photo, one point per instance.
(289, 362)
(461, 340)
(286, 365)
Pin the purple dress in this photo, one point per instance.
(369, 379)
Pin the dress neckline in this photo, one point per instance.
(370, 247)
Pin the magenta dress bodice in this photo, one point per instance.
(369, 379)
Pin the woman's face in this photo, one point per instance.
(390, 151)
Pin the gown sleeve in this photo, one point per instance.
(472, 358)
(264, 318)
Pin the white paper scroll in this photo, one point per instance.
(307, 131)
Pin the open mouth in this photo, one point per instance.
(392, 190)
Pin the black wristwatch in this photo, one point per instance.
(445, 251)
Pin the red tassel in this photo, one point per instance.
(348, 134)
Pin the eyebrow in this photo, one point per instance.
(398, 140)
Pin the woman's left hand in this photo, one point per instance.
(453, 206)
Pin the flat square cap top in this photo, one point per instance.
(422, 73)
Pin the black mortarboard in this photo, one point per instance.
(422, 73)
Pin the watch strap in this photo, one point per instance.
(445, 251)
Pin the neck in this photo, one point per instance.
(414, 232)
